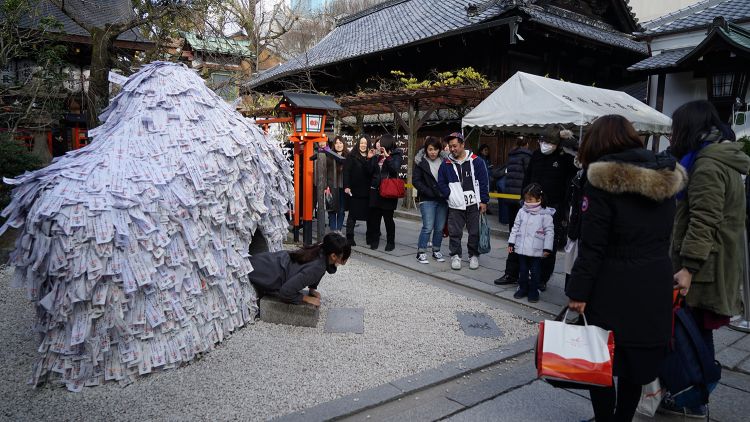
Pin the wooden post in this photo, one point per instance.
(321, 183)
(661, 82)
(411, 133)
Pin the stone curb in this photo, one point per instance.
(406, 215)
(376, 396)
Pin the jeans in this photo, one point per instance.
(336, 219)
(434, 214)
(529, 283)
(457, 219)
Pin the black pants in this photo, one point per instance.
(611, 406)
(351, 221)
(373, 225)
(457, 219)
(548, 264)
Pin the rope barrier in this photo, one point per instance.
(492, 194)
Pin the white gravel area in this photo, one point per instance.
(265, 370)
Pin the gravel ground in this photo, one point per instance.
(265, 370)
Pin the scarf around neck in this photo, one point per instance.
(688, 161)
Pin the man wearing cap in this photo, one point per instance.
(463, 181)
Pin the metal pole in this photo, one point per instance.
(744, 323)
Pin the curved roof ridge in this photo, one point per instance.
(372, 9)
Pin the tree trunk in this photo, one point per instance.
(102, 46)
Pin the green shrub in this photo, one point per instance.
(15, 159)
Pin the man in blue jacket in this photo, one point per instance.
(463, 181)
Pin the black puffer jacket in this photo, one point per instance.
(623, 271)
(553, 172)
(423, 180)
(390, 168)
(515, 170)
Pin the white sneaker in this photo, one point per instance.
(422, 258)
(473, 263)
(438, 256)
(456, 262)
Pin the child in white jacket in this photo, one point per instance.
(532, 238)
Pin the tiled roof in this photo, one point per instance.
(586, 30)
(396, 23)
(219, 45)
(667, 58)
(699, 15)
(97, 13)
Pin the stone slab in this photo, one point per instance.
(274, 311)
(729, 357)
(743, 343)
(344, 406)
(431, 410)
(729, 404)
(736, 380)
(345, 320)
(476, 324)
(496, 385)
(452, 370)
(537, 401)
(726, 336)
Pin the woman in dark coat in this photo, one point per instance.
(622, 278)
(385, 162)
(432, 206)
(357, 186)
(285, 273)
(335, 179)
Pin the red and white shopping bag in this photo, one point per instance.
(574, 355)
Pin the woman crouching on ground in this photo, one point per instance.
(285, 273)
(622, 278)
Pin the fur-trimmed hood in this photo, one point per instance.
(638, 171)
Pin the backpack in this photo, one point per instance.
(689, 372)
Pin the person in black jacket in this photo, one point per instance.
(518, 162)
(432, 205)
(384, 162)
(284, 274)
(622, 278)
(553, 168)
(357, 186)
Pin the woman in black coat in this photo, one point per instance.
(285, 274)
(622, 278)
(357, 186)
(385, 162)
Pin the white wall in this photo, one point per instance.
(646, 10)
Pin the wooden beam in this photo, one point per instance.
(432, 108)
(397, 118)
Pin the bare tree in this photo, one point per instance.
(31, 61)
(103, 36)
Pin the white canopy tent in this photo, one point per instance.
(528, 103)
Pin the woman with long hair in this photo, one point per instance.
(284, 274)
(356, 186)
(707, 244)
(384, 162)
(622, 277)
(432, 205)
(335, 178)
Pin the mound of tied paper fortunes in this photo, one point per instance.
(133, 249)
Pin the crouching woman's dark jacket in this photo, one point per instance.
(623, 271)
(276, 274)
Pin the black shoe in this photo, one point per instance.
(533, 299)
(375, 244)
(504, 280)
(543, 287)
(519, 294)
(390, 246)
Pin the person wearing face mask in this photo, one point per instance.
(356, 186)
(553, 169)
(531, 239)
(285, 274)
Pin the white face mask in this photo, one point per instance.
(547, 148)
